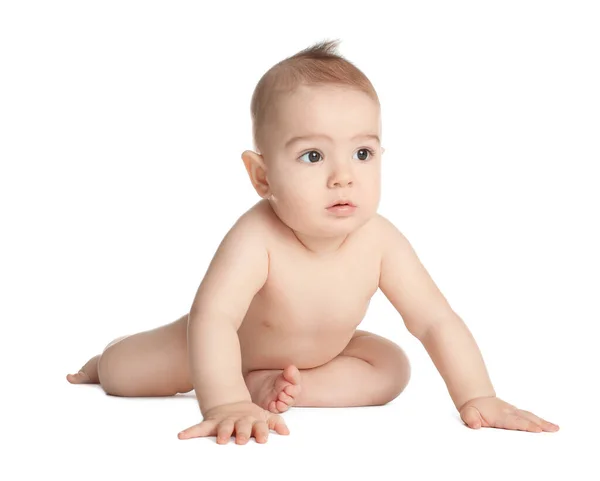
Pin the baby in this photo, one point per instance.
(274, 321)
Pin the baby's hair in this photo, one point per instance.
(318, 64)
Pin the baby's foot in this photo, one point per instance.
(88, 374)
(79, 378)
(274, 391)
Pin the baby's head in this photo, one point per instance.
(320, 94)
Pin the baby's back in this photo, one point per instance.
(310, 306)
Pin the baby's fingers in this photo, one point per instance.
(261, 432)
(545, 425)
(224, 431)
(277, 423)
(205, 428)
(243, 430)
(519, 423)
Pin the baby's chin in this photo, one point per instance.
(331, 226)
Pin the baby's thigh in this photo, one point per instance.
(377, 351)
(149, 363)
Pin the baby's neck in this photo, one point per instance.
(321, 246)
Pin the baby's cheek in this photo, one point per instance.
(297, 198)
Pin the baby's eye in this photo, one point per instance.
(313, 156)
(364, 153)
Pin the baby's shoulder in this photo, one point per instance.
(380, 227)
(259, 220)
(259, 225)
(385, 233)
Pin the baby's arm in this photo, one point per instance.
(237, 272)
(448, 341)
(429, 317)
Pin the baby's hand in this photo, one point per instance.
(492, 412)
(245, 418)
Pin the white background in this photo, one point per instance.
(121, 130)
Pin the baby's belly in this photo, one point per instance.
(269, 348)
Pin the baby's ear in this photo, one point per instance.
(382, 151)
(255, 166)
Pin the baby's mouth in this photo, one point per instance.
(342, 202)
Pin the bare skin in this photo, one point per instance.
(293, 352)
(274, 322)
(282, 343)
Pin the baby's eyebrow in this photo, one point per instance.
(293, 140)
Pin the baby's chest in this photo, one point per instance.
(317, 295)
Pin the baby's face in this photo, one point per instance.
(342, 159)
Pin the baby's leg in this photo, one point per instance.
(150, 363)
(88, 374)
(371, 370)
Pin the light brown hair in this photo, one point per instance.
(318, 64)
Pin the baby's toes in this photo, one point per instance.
(281, 406)
(283, 397)
(292, 390)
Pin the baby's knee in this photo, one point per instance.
(115, 369)
(396, 375)
(113, 342)
(107, 374)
